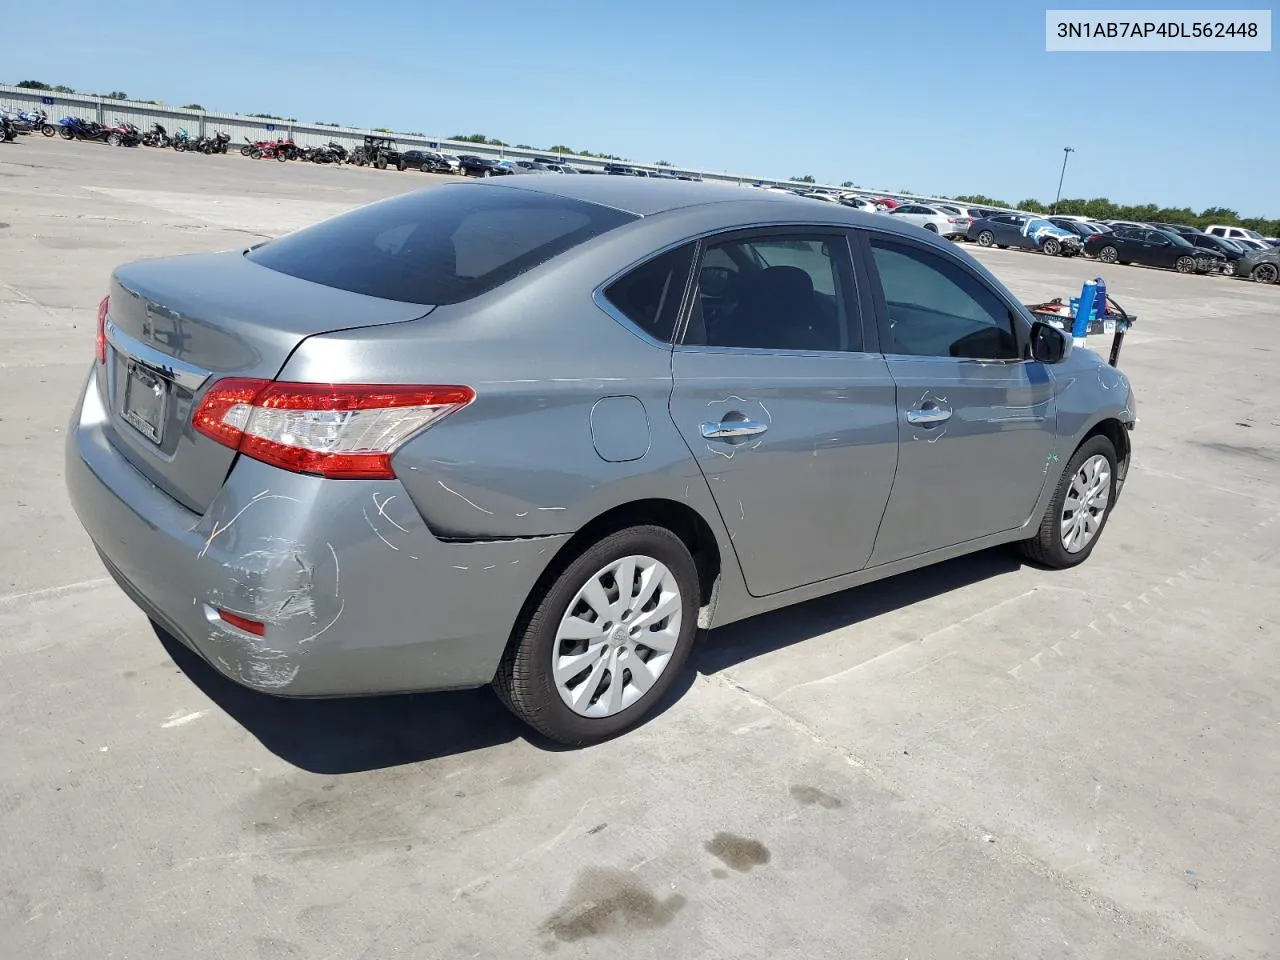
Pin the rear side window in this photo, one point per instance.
(438, 246)
(649, 296)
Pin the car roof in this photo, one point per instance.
(644, 196)
(720, 206)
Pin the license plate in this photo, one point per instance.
(146, 397)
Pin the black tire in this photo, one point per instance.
(381, 163)
(986, 238)
(401, 166)
(1266, 273)
(1046, 547)
(1185, 265)
(48, 129)
(524, 681)
(1109, 254)
(246, 150)
(931, 228)
(1051, 247)
(66, 133)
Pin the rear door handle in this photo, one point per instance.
(730, 429)
(930, 416)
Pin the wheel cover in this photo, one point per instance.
(617, 636)
(1185, 264)
(1108, 255)
(1085, 506)
(986, 238)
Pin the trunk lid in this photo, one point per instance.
(176, 325)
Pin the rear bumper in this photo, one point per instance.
(356, 593)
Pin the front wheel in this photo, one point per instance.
(114, 139)
(246, 150)
(401, 166)
(1185, 265)
(597, 651)
(48, 129)
(1079, 509)
(1266, 273)
(1052, 247)
(1108, 254)
(986, 238)
(381, 163)
(66, 133)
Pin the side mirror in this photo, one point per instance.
(1048, 343)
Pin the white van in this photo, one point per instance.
(1232, 233)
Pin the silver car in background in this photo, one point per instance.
(536, 432)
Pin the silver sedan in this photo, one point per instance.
(536, 432)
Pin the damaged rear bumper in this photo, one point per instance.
(356, 595)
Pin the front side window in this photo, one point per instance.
(649, 296)
(776, 293)
(937, 308)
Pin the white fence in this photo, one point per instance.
(197, 123)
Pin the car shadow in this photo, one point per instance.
(353, 734)
(767, 632)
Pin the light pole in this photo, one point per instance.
(1066, 152)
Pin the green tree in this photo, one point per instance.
(663, 163)
(115, 95)
(1032, 205)
(33, 85)
(807, 178)
(63, 88)
(847, 183)
(524, 146)
(382, 130)
(561, 148)
(194, 106)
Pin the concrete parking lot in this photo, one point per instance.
(981, 759)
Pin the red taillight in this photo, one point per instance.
(244, 623)
(101, 340)
(339, 430)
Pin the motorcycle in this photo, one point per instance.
(8, 130)
(157, 136)
(76, 128)
(27, 121)
(281, 150)
(215, 144)
(124, 135)
(183, 141)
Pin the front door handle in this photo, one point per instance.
(929, 416)
(732, 429)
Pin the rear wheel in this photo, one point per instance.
(66, 133)
(401, 166)
(931, 228)
(1266, 273)
(1185, 265)
(1108, 254)
(1073, 523)
(605, 642)
(48, 129)
(986, 238)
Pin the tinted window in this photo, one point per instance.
(649, 296)
(776, 293)
(437, 246)
(938, 309)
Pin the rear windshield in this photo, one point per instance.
(440, 245)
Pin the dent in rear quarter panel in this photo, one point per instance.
(521, 460)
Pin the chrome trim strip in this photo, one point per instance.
(185, 375)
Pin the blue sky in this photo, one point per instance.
(936, 97)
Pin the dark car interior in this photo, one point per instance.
(743, 300)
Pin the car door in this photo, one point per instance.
(975, 420)
(786, 404)
(1010, 232)
(912, 213)
(1158, 249)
